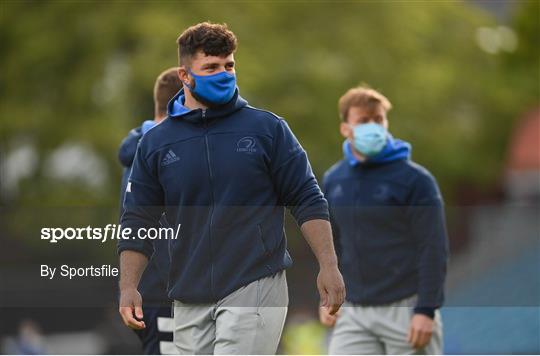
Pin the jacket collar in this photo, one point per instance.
(177, 110)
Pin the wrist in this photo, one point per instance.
(328, 264)
(126, 287)
(427, 311)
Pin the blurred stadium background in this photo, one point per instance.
(464, 78)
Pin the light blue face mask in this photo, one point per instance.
(215, 89)
(370, 138)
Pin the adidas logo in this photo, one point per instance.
(169, 158)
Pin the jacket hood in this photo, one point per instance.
(394, 150)
(177, 110)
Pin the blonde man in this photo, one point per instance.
(388, 221)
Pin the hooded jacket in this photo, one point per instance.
(153, 283)
(224, 175)
(388, 221)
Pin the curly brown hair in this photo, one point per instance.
(210, 38)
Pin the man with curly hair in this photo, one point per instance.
(223, 171)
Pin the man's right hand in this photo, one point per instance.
(326, 318)
(131, 309)
(318, 234)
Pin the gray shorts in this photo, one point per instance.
(248, 321)
(369, 330)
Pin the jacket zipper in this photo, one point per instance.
(211, 178)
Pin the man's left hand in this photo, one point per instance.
(420, 331)
(331, 288)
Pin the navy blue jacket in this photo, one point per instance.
(225, 175)
(388, 220)
(153, 283)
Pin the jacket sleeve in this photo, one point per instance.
(143, 205)
(293, 178)
(335, 228)
(123, 184)
(426, 213)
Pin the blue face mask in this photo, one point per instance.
(215, 89)
(369, 139)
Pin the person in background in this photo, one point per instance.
(388, 221)
(156, 338)
(29, 340)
